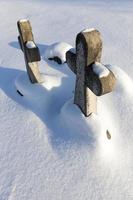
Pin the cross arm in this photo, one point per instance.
(100, 84)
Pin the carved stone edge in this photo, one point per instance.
(100, 86)
(71, 61)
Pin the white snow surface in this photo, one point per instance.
(23, 20)
(58, 49)
(88, 30)
(48, 149)
(100, 69)
(30, 45)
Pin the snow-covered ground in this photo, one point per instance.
(48, 149)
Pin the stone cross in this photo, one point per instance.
(30, 50)
(92, 78)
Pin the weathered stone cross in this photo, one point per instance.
(92, 78)
(30, 50)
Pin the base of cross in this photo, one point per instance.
(92, 126)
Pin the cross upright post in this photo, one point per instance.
(30, 50)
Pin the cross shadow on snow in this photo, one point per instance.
(15, 44)
(42, 48)
(47, 106)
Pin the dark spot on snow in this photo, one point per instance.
(56, 59)
(108, 134)
(20, 93)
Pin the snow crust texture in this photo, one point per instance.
(48, 149)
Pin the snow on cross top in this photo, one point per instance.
(88, 30)
(30, 45)
(100, 70)
(23, 20)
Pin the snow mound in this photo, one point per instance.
(57, 50)
(24, 85)
(76, 122)
(124, 86)
(50, 96)
(71, 139)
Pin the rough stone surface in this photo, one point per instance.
(92, 45)
(71, 61)
(100, 86)
(84, 98)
